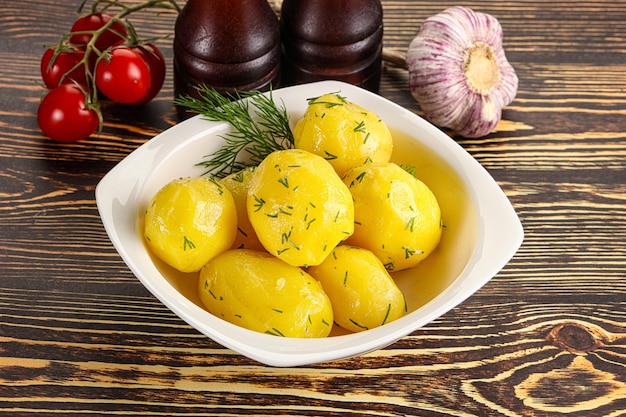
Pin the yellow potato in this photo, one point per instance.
(189, 221)
(299, 207)
(258, 291)
(238, 183)
(362, 292)
(343, 133)
(396, 215)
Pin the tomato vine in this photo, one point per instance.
(102, 27)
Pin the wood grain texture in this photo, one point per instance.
(546, 336)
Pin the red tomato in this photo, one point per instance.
(124, 77)
(156, 62)
(63, 116)
(132, 75)
(52, 71)
(89, 23)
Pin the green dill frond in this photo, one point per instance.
(259, 124)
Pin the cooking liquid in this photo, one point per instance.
(434, 274)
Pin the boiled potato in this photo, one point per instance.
(343, 133)
(362, 292)
(238, 183)
(258, 291)
(396, 215)
(299, 208)
(189, 221)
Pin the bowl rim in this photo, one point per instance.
(499, 237)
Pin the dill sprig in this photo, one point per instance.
(256, 133)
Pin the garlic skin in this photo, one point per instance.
(458, 72)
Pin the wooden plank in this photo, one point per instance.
(79, 335)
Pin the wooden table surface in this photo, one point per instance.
(79, 334)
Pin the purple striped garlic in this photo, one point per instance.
(458, 72)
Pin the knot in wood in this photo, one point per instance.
(575, 337)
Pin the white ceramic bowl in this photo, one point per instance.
(482, 231)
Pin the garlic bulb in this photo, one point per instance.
(458, 72)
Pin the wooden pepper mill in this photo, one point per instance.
(227, 45)
(332, 39)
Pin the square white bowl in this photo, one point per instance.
(482, 231)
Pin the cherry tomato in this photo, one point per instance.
(89, 23)
(156, 62)
(53, 68)
(63, 116)
(132, 75)
(123, 77)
